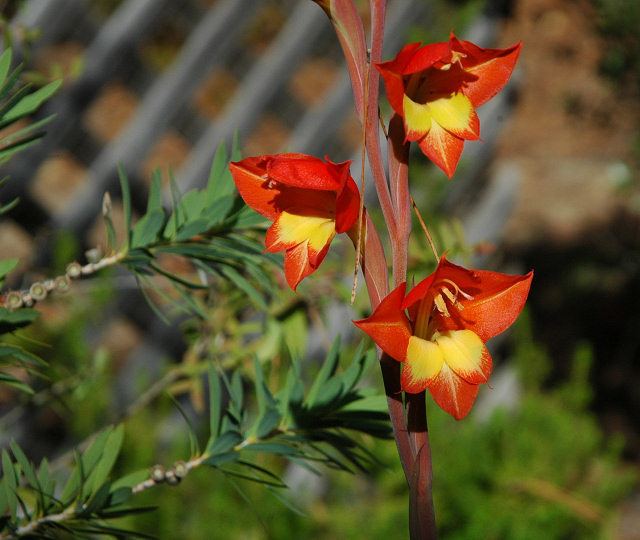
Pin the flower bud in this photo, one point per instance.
(158, 474)
(180, 468)
(74, 270)
(13, 300)
(38, 291)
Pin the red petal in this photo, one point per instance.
(453, 394)
(442, 148)
(497, 299)
(427, 56)
(308, 172)
(347, 206)
(388, 325)
(392, 72)
(419, 291)
(491, 68)
(249, 177)
(297, 264)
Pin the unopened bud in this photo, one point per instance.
(106, 204)
(62, 283)
(180, 468)
(93, 255)
(171, 478)
(38, 291)
(13, 300)
(74, 270)
(158, 474)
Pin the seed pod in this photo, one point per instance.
(93, 255)
(74, 270)
(13, 300)
(38, 291)
(158, 474)
(171, 478)
(180, 468)
(62, 283)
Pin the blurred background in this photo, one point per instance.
(553, 448)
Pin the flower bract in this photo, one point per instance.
(436, 89)
(439, 330)
(309, 201)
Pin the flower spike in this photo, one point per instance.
(309, 201)
(437, 88)
(441, 340)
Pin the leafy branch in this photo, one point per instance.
(318, 425)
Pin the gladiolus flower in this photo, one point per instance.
(441, 340)
(308, 200)
(436, 89)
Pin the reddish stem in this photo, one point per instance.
(378, 9)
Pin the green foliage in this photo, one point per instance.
(17, 102)
(209, 227)
(34, 502)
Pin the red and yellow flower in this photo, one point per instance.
(436, 89)
(439, 330)
(309, 201)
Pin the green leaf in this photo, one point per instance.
(19, 354)
(326, 371)
(220, 459)
(267, 422)
(147, 229)
(12, 320)
(10, 483)
(377, 403)
(220, 184)
(244, 285)
(226, 442)
(130, 480)
(11, 381)
(32, 102)
(155, 193)
(215, 406)
(107, 460)
(193, 439)
(7, 266)
(25, 466)
(5, 65)
(272, 448)
(126, 204)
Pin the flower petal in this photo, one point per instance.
(347, 206)
(424, 362)
(497, 299)
(251, 182)
(457, 115)
(417, 119)
(297, 265)
(308, 172)
(427, 56)
(465, 353)
(392, 74)
(452, 393)
(443, 148)
(491, 68)
(291, 229)
(389, 326)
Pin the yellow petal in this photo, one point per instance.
(455, 114)
(465, 353)
(295, 228)
(417, 119)
(424, 362)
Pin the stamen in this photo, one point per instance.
(441, 306)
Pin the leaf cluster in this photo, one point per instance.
(314, 426)
(208, 227)
(17, 102)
